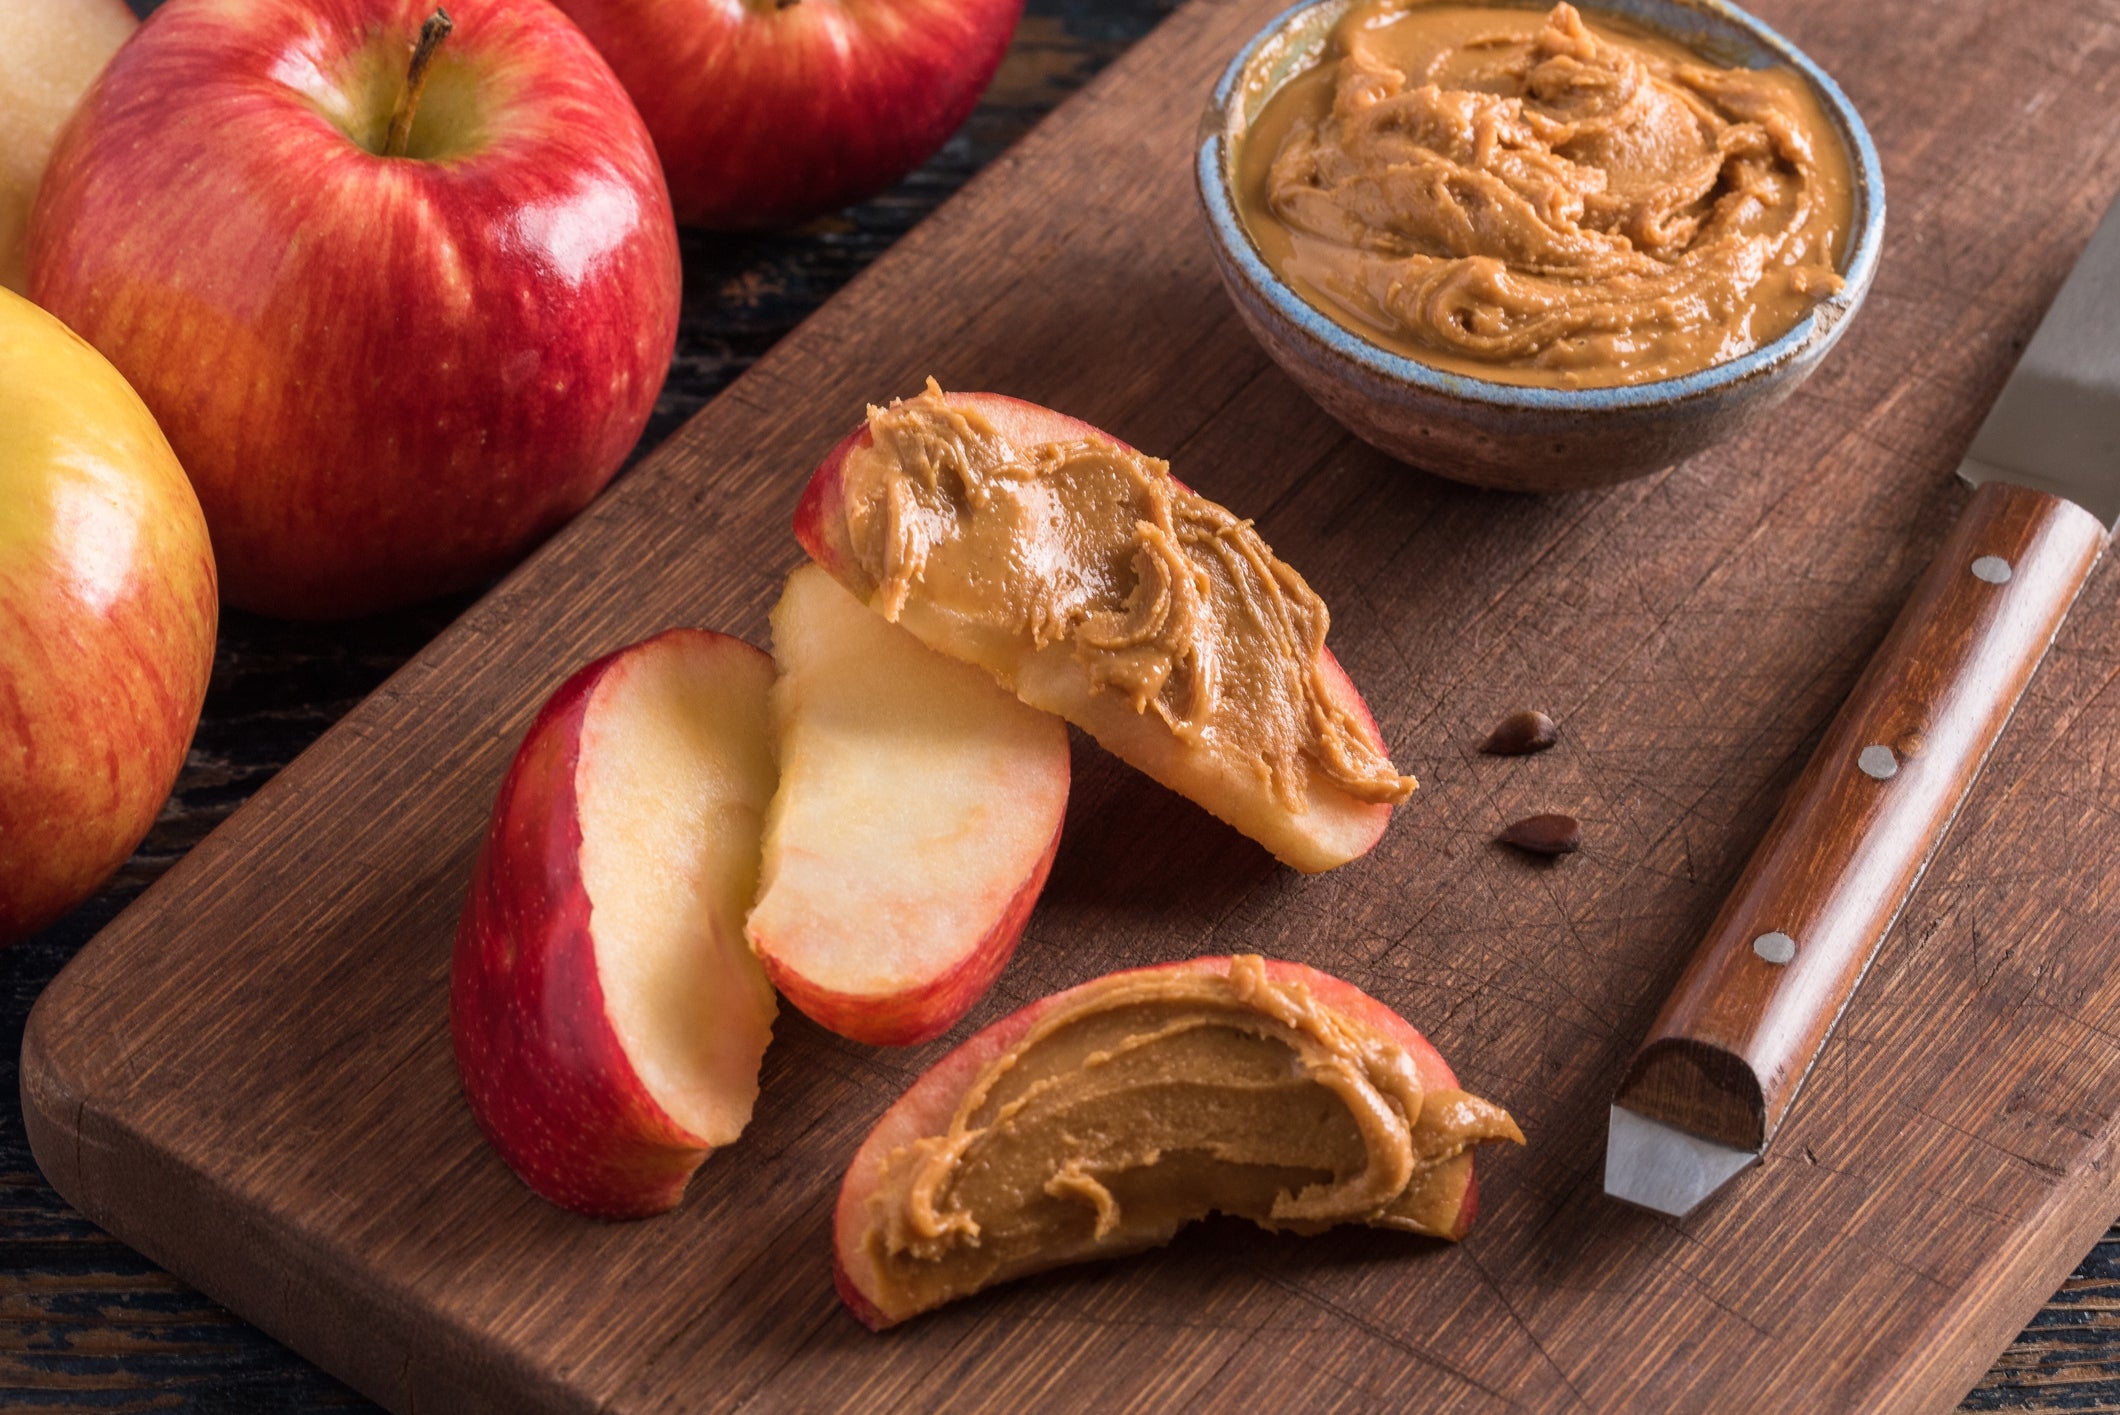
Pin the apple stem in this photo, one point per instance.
(432, 34)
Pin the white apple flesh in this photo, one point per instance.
(608, 1015)
(918, 813)
(49, 51)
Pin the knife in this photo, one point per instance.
(1704, 1095)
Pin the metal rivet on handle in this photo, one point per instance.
(1878, 762)
(1776, 947)
(1992, 568)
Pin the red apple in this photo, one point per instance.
(918, 813)
(929, 1105)
(1336, 827)
(389, 376)
(107, 616)
(770, 111)
(608, 1015)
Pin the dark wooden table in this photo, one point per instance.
(85, 1323)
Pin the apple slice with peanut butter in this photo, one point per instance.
(1095, 585)
(1100, 1120)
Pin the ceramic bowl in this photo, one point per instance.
(1499, 434)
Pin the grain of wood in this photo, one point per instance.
(313, 1165)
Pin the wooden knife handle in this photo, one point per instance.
(1736, 1037)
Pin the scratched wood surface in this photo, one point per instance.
(266, 1094)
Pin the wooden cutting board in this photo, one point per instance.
(248, 1075)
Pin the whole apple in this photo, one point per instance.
(767, 112)
(107, 615)
(398, 327)
(49, 51)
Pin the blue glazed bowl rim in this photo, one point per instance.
(1861, 254)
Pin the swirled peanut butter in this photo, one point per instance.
(1144, 1100)
(1165, 600)
(1544, 200)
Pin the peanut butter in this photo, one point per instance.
(1148, 1099)
(1164, 598)
(1541, 200)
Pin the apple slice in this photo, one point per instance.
(1315, 821)
(918, 813)
(1102, 1119)
(608, 1015)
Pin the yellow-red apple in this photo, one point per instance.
(107, 615)
(392, 355)
(1334, 828)
(918, 813)
(49, 50)
(608, 1015)
(770, 111)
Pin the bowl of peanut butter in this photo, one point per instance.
(1539, 248)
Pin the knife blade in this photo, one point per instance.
(1706, 1091)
